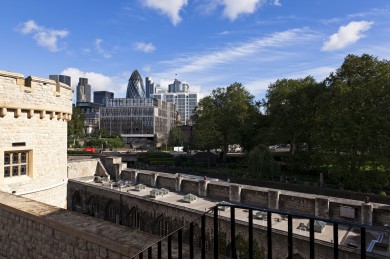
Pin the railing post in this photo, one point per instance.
(233, 232)
(290, 237)
(192, 240)
(311, 229)
(216, 232)
(159, 250)
(150, 253)
(170, 247)
(363, 242)
(203, 238)
(180, 243)
(250, 232)
(269, 234)
(335, 240)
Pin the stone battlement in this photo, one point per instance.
(34, 96)
(33, 118)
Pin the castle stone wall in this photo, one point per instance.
(33, 119)
(30, 229)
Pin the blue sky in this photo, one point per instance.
(206, 43)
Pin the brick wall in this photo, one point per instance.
(218, 190)
(297, 203)
(254, 196)
(167, 182)
(190, 186)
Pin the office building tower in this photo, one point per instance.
(140, 121)
(100, 97)
(61, 78)
(83, 93)
(135, 87)
(178, 87)
(150, 87)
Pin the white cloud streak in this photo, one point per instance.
(145, 47)
(346, 35)
(170, 8)
(98, 45)
(47, 38)
(237, 51)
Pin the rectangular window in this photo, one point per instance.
(16, 163)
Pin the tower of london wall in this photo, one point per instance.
(33, 120)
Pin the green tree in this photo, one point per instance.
(76, 125)
(355, 120)
(175, 137)
(204, 133)
(232, 108)
(292, 107)
(262, 163)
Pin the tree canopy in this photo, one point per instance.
(220, 118)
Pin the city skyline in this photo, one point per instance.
(207, 44)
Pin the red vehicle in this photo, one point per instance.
(89, 149)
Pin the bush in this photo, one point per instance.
(382, 193)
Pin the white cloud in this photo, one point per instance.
(234, 52)
(47, 38)
(145, 47)
(277, 3)
(98, 81)
(234, 8)
(347, 35)
(170, 8)
(98, 45)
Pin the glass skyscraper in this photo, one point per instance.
(83, 90)
(61, 78)
(135, 88)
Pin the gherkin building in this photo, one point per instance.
(135, 88)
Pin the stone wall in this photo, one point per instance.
(382, 216)
(167, 182)
(297, 203)
(218, 190)
(316, 205)
(30, 229)
(33, 119)
(85, 167)
(160, 218)
(190, 186)
(257, 196)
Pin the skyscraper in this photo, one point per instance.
(135, 88)
(150, 86)
(178, 87)
(101, 96)
(61, 78)
(178, 93)
(83, 90)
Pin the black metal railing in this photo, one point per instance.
(200, 249)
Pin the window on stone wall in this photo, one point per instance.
(16, 163)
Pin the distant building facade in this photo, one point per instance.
(92, 115)
(135, 87)
(140, 121)
(83, 89)
(185, 103)
(61, 79)
(150, 87)
(178, 87)
(101, 96)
